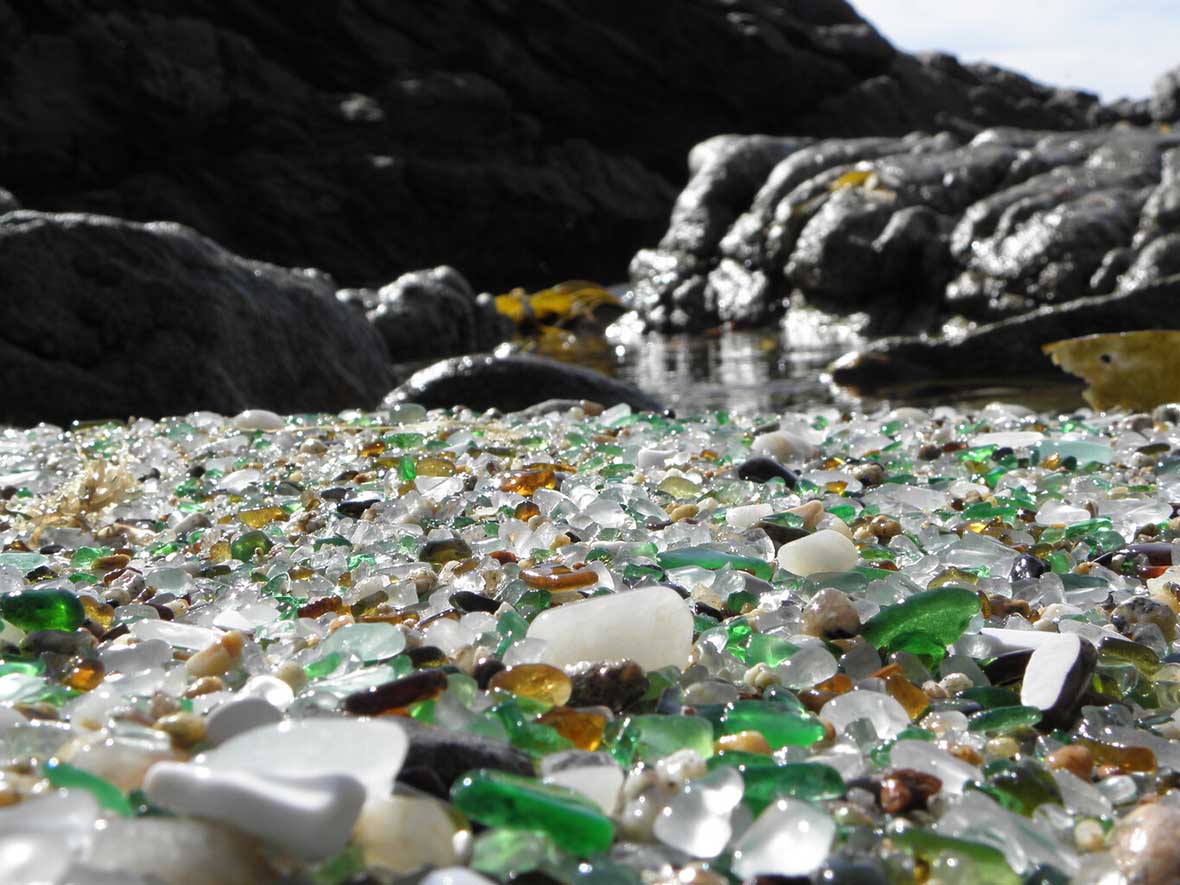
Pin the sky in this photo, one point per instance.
(1115, 48)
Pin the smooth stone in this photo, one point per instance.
(32, 858)
(179, 851)
(782, 446)
(448, 755)
(1007, 640)
(887, 715)
(1013, 439)
(271, 689)
(595, 775)
(144, 655)
(765, 469)
(825, 550)
(651, 626)
(696, 820)
(742, 517)
(1145, 844)
(790, 838)
(310, 816)
(370, 750)
(239, 716)
(406, 833)
(649, 458)
(1057, 676)
(258, 419)
(929, 759)
(67, 816)
(188, 636)
(456, 876)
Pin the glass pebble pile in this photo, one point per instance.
(907, 646)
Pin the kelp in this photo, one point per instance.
(1134, 370)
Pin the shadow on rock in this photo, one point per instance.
(107, 318)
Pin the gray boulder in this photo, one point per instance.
(108, 318)
(426, 314)
(512, 383)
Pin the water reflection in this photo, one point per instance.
(747, 371)
(774, 370)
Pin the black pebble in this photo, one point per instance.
(765, 469)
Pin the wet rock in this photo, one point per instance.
(448, 755)
(907, 230)
(431, 313)
(108, 318)
(1008, 347)
(1158, 261)
(511, 383)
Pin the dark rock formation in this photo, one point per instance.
(107, 318)
(912, 230)
(426, 314)
(521, 141)
(1165, 97)
(512, 383)
(1010, 347)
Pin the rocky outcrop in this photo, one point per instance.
(521, 141)
(426, 314)
(915, 229)
(512, 383)
(1008, 348)
(107, 318)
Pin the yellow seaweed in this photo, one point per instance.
(1134, 370)
(555, 305)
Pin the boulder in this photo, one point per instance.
(522, 141)
(431, 313)
(109, 318)
(1010, 348)
(914, 230)
(512, 383)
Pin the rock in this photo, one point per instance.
(909, 231)
(764, 469)
(406, 833)
(107, 318)
(830, 614)
(370, 751)
(370, 140)
(1008, 347)
(823, 551)
(510, 383)
(310, 816)
(431, 313)
(175, 850)
(240, 715)
(8, 202)
(1165, 97)
(621, 626)
(448, 755)
(1057, 676)
(1145, 846)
